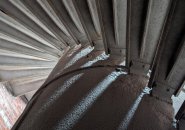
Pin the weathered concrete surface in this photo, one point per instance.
(94, 99)
(152, 114)
(68, 109)
(182, 124)
(118, 25)
(54, 105)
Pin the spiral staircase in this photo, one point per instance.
(148, 34)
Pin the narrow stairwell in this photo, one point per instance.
(37, 36)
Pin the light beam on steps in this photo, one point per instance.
(70, 81)
(126, 121)
(80, 109)
(58, 93)
(78, 56)
(98, 58)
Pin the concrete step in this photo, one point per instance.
(54, 16)
(73, 14)
(15, 15)
(10, 46)
(85, 14)
(29, 95)
(43, 16)
(64, 17)
(24, 85)
(12, 32)
(31, 61)
(29, 14)
(6, 75)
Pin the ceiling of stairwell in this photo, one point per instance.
(34, 34)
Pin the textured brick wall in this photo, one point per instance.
(10, 109)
